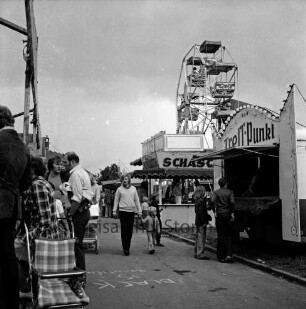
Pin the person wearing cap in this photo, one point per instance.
(127, 204)
(80, 202)
(15, 177)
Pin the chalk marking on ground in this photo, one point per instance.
(126, 284)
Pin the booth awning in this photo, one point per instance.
(161, 173)
(237, 151)
(110, 182)
(136, 162)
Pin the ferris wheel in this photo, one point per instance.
(207, 83)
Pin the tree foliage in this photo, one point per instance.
(110, 173)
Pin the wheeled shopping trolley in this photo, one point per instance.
(55, 281)
(93, 227)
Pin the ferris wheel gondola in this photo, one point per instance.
(207, 82)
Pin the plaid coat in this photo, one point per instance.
(40, 211)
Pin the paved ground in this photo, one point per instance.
(172, 278)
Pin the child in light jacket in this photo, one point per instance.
(152, 227)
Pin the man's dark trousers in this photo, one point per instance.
(80, 219)
(158, 235)
(224, 231)
(9, 294)
(127, 224)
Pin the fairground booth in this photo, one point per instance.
(171, 172)
(262, 154)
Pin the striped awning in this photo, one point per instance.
(162, 173)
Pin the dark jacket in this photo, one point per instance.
(223, 201)
(15, 175)
(200, 208)
(155, 204)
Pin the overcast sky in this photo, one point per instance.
(108, 70)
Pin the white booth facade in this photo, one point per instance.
(173, 156)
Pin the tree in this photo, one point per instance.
(110, 173)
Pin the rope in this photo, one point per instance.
(259, 153)
(300, 92)
(231, 56)
(206, 140)
(55, 148)
(301, 124)
(238, 87)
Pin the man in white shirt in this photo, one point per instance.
(82, 195)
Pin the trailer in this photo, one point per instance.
(262, 154)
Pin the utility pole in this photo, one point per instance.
(26, 112)
(30, 56)
(31, 76)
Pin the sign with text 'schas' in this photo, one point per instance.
(182, 160)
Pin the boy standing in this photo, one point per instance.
(152, 227)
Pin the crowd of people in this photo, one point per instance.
(221, 202)
(53, 199)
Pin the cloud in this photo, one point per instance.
(108, 70)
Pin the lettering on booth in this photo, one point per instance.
(248, 135)
(186, 162)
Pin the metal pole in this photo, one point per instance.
(27, 93)
(160, 192)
